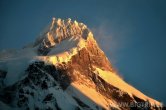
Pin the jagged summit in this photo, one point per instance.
(59, 30)
(67, 28)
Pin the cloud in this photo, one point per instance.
(113, 38)
(107, 40)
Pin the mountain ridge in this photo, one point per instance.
(65, 65)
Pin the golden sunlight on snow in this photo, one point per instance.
(51, 39)
(92, 95)
(64, 56)
(116, 81)
(81, 43)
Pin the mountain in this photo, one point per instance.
(64, 69)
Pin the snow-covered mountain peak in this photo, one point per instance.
(59, 30)
(65, 66)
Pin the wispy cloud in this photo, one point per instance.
(112, 38)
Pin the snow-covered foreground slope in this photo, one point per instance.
(64, 69)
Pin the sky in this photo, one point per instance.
(132, 33)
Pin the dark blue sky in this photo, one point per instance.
(131, 32)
